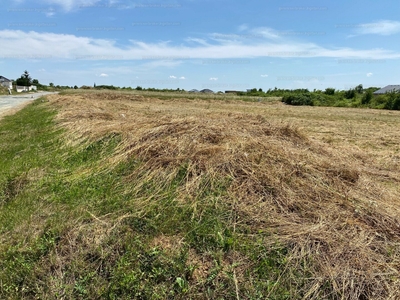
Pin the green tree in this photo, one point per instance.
(359, 89)
(25, 79)
(329, 91)
(350, 94)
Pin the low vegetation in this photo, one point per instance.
(351, 98)
(3, 90)
(110, 195)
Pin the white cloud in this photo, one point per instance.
(214, 78)
(72, 4)
(159, 63)
(384, 27)
(199, 41)
(369, 74)
(265, 75)
(265, 32)
(103, 75)
(154, 55)
(172, 77)
(183, 78)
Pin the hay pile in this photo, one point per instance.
(339, 209)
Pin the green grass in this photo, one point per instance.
(73, 227)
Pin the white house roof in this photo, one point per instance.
(386, 89)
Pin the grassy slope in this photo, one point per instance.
(165, 200)
(3, 90)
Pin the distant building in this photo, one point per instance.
(387, 89)
(194, 91)
(207, 91)
(21, 89)
(7, 83)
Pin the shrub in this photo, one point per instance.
(393, 101)
(298, 99)
(367, 97)
(329, 91)
(350, 94)
(378, 102)
(106, 87)
(321, 99)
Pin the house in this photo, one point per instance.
(387, 89)
(21, 89)
(207, 91)
(6, 82)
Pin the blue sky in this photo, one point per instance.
(218, 44)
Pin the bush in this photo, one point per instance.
(350, 94)
(329, 91)
(298, 99)
(378, 102)
(321, 99)
(393, 101)
(106, 87)
(356, 97)
(366, 99)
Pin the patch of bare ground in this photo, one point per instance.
(322, 181)
(13, 110)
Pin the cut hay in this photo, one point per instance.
(330, 202)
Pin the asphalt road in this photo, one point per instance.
(9, 101)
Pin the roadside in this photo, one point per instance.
(10, 104)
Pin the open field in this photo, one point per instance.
(173, 95)
(121, 195)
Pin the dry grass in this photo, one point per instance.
(323, 181)
(3, 90)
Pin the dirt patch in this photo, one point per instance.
(10, 111)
